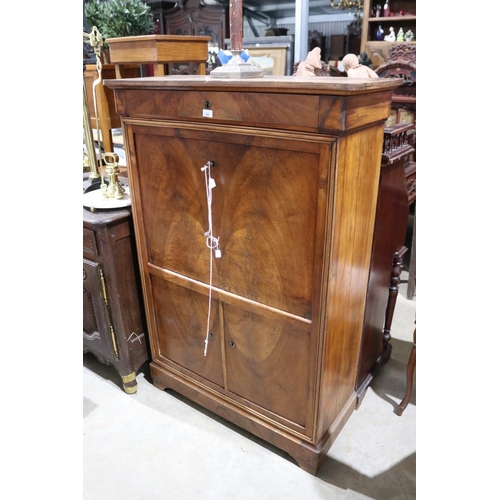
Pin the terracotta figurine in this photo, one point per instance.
(355, 69)
(312, 62)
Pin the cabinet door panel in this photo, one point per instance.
(181, 323)
(95, 323)
(269, 363)
(265, 194)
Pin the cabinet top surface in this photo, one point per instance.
(157, 39)
(105, 217)
(282, 84)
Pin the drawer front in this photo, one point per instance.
(271, 110)
(89, 242)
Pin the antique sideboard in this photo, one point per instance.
(278, 325)
(114, 326)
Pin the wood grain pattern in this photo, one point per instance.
(252, 108)
(272, 197)
(158, 49)
(355, 197)
(181, 330)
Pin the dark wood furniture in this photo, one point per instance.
(410, 374)
(297, 166)
(114, 328)
(191, 18)
(401, 63)
(387, 255)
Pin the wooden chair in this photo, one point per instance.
(402, 64)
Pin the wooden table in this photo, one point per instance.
(159, 50)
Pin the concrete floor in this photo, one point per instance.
(156, 445)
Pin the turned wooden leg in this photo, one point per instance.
(409, 376)
(130, 383)
(393, 295)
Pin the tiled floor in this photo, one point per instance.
(156, 445)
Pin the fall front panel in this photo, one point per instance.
(264, 209)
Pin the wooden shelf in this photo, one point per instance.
(377, 50)
(391, 19)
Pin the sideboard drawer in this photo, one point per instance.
(271, 110)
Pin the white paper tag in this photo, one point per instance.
(208, 113)
(218, 254)
(211, 183)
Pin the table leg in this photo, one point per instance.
(410, 371)
(159, 69)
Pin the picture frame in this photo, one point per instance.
(270, 52)
(271, 60)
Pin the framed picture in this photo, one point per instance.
(272, 54)
(271, 60)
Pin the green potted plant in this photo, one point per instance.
(118, 18)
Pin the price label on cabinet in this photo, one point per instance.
(208, 113)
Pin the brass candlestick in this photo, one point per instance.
(114, 189)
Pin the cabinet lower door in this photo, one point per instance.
(96, 326)
(181, 317)
(270, 365)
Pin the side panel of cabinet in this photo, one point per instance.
(353, 220)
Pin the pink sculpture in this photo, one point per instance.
(355, 69)
(312, 62)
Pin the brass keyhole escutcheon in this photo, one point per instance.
(231, 343)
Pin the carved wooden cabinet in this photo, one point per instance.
(114, 327)
(296, 165)
(192, 18)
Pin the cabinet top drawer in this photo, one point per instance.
(314, 105)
